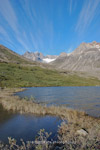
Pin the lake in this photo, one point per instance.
(27, 126)
(82, 98)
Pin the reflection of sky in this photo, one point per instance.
(27, 127)
(84, 98)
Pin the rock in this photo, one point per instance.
(37, 56)
(63, 54)
(82, 132)
(85, 58)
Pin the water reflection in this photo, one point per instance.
(5, 115)
(26, 126)
(82, 98)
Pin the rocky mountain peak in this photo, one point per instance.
(85, 58)
(83, 47)
(27, 52)
(37, 56)
(63, 54)
(94, 42)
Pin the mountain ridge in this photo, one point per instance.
(38, 56)
(85, 58)
(7, 55)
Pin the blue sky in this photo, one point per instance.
(48, 26)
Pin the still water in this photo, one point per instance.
(27, 126)
(82, 98)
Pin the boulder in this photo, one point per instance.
(82, 132)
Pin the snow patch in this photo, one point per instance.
(48, 60)
(97, 46)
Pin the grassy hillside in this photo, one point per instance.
(15, 75)
(6, 55)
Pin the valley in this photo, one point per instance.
(71, 110)
(49, 74)
(18, 71)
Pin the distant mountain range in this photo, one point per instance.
(36, 56)
(85, 58)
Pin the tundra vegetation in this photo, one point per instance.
(19, 75)
(80, 131)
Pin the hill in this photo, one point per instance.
(85, 58)
(17, 71)
(7, 55)
(15, 75)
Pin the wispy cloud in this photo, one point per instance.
(70, 6)
(11, 21)
(5, 36)
(34, 42)
(88, 13)
(4, 33)
(70, 49)
(8, 13)
(36, 27)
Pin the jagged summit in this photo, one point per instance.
(63, 54)
(85, 58)
(37, 56)
(85, 46)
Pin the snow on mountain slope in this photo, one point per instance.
(48, 60)
(36, 56)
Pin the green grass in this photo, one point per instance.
(15, 75)
(8, 55)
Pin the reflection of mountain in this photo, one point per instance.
(5, 115)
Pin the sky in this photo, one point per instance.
(48, 26)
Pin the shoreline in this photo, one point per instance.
(77, 120)
(8, 99)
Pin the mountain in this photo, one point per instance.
(36, 56)
(17, 71)
(85, 46)
(33, 56)
(85, 58)
(49, 58)
(7, 55)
